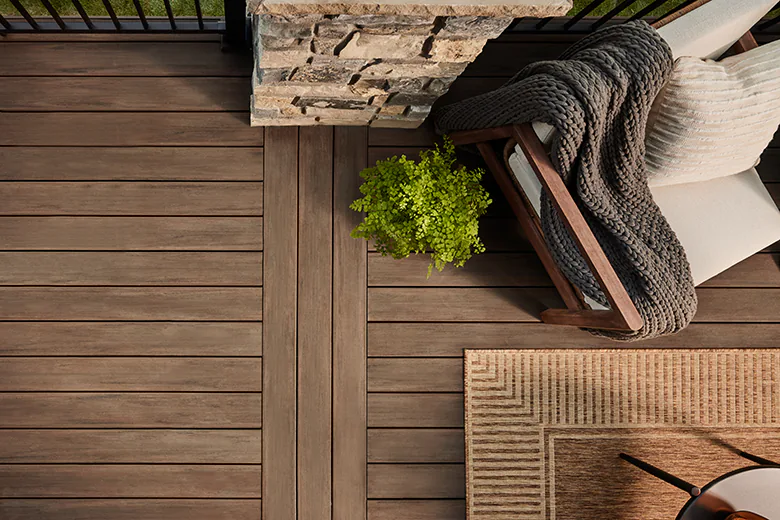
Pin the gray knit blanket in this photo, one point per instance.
(598, 96)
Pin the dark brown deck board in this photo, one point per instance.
(525, 305)
(417, 509)
(131, 446)
(51, 163)
(132, 198)
(128, 268)
(130, 509)
(415, 375)
(129, 481)
(526, 270)
(418, 410)
(415, 445)
(131, 339)
(416, 481)
(449, 339)
(132, 233)
(315, 298)
(130, 410)
(128, 129)
(116, 374)
(349, 331)
(280, 327)
(124, 94)
(121, 59)
(130, 303)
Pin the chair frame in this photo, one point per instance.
(622, 314)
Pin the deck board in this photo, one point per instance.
(129, 268)
(126, 59)
(349, 331)
(129, 481)
(132, 198)
(280, 328)
(117, 163)
(130, 446)
(75, 94)
(130, 410)
(132, 233)
(315, 321)
(115, 374)
(205, 339)
(129, 129)
(130, 509)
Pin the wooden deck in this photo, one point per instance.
(171, 279)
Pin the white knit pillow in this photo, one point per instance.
(714, 118)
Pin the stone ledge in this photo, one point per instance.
(496, 8)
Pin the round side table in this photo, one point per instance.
(755, 489)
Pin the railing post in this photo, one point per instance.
(236, 26)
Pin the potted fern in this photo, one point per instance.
(428, 206)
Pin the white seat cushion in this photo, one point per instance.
(718, 222)
(709, 31)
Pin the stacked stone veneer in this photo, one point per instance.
(378, 70)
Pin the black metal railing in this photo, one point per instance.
(598, 13)
(232, 22)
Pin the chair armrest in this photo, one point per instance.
(623, 309)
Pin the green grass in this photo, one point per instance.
(121, 7)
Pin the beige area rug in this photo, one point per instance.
(544, 428)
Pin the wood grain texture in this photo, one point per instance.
(130, 410)
(416, 481)
(73, 94)
(58, 163)
(525, 270)
(131, 374)
(280, 328)
(122, 59)
(132, 233)
(415, 375)
(416, 445)
(129, 481)
(486, 270)
(416, 509)
(130, 509)
(315, 331)
(449, 339)
(130, 339)
(128, 129)
(130, 303)
(125, 268)
(459, 304)
(524, 305)
(130, 446)
(131, 198)
(415, 410)
(349, 330)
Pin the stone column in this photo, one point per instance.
(356, 63)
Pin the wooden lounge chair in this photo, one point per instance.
(740, 215)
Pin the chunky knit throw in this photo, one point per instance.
(598, 96)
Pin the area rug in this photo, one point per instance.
(544, 427)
